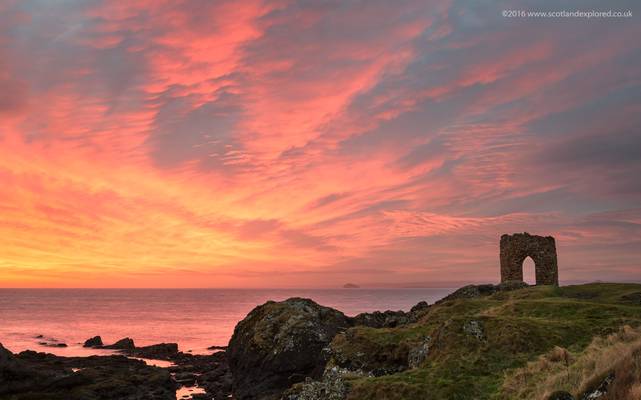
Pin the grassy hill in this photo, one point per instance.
(521, 344)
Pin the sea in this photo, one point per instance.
(194, 318)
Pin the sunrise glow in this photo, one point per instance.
(278, 144)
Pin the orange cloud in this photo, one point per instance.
(303, 144)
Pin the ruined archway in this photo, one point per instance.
(529, 271)
(542, 249)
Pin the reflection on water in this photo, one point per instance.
(155, 363)
(193, 318)
(186, 392)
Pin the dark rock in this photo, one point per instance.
(387, 319)
(161, 351)
(561, 395)
(391, 319)
(95, 341)
(211, 372)
(32, 375)
(217, 348)
(279, 340)
(122, 344)
(5, 356)
(419, 307)
(52, 344)
(185, 378)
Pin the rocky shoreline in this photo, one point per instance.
(290, 350)
(295, 353)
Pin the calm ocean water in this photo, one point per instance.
(193, 318)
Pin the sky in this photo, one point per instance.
(306, 143)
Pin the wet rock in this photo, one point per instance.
(95, 341)
(278, 343)
(391, 319)
(211, 372)
(122, 344)
(32, 375)
(160, 351)
(185, 378)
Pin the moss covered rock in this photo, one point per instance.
(279, 344)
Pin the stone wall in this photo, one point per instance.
(517, 247)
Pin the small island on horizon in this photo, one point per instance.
(350, 286)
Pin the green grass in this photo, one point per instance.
(518, 326)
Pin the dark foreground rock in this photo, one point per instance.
(161, 351)
(210, 372)
(31, 375)
(126, 346)
(279, 344)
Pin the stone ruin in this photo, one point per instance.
(542, 249)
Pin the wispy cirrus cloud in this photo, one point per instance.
(207, 143)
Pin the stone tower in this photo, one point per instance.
(542, 249)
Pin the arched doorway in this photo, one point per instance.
(529, 271)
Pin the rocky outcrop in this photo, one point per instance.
(160, 351)
(210, 372)
(279, 344)
(95, 341)
(386, 319)
(390, 319)
(31, 375)
(126, 346)
(472, 291)
(474, 328)
(122, 344)
(333, 386)
(355, 351)
(417, 354)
